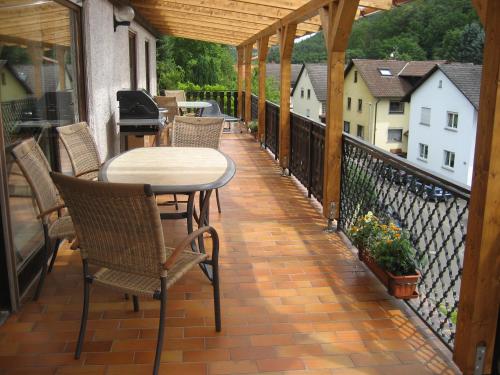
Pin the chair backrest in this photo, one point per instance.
(117, 225)
(180, 95)
(213, 110)
(36, 169)
(170, 104)
(82, 150)
(189, 131)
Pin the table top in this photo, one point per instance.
(171, 169)
(193, 104)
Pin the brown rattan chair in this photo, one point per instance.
(56, 228)
(198, 132)
(180, 95)
(82, 150)
(170, 104)
(127, 242)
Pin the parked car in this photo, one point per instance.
(394, 175)
(428, 191)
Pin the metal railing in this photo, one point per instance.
(272, 133)
(254, 107)
(307, 149)
(433, 210)
(227, 99)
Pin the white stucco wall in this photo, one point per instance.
(301, 105)
(437, 136)
(107, 69)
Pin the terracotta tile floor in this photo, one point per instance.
(295, 301)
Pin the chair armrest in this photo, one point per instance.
(190, 238)
(51, 210)
(87, 172)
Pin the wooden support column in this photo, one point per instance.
(240, 80)
(248, 82)
(287, 37)
(337, 19)
(480, 285)
(262, 46)
(36, 56)
(60, 53)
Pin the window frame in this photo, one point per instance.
(454, 120)
(302, 93)
(349, 100)
(383, 71)
(397, 112)
(389, 140)
(360, 105)
(308, 94)
(449, 159)
(362, 128)
(355, 76)
(421, 116)
(424, 156)
(347, 125)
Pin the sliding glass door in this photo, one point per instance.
(40, 89)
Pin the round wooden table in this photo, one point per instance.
(171, 170)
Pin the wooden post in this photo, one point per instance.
(240, 81)
(61, 67)
(337, 19)
(248, 82)
(36, 56)
(263, 49)
(480, 286)
(287, 37)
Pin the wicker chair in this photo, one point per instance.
(170, 104)
(127, 242)
(198, 132)
(36, 169)
(180, 95)
(82, 150)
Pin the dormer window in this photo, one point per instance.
(385, 72)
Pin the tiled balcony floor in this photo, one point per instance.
(295, 301)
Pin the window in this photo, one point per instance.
(348, 104)
(360, 105)
(396, 107)
(394, 135)
(308, 93)
(146, 53)
(360, 131)
(423, 151)
(308, 112)
(323, 108)
(132, 59)
(452, 120)
(440, 85)
(425, 116)
(302, 92)
(449, 159)
(347, 126)
(385, 72)
(355, 76)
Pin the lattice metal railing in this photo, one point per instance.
(272, 128)
(227, 99)
(307, 147)
(433, 210)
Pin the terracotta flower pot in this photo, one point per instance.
(403, 287)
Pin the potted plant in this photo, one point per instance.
(253, 127)
(387, 250)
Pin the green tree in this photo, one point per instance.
(463, 45)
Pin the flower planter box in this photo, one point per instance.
(403, 287)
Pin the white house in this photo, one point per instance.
(443, 120)
(309, 94)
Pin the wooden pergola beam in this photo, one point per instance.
(263, 48)
(480, 6)
(480, 284)
(287, 37)
(337, 19)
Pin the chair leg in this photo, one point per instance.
(85, 311)
(176, 202)
(46, 250)
(161, 325)
(218, 201)
(215, 284)
(135, 300)
(54, 255)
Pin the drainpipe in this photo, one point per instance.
(375, 121)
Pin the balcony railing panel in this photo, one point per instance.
(227, 99)
(307, 153)
(433, 211)
(255, 107)
(272, 128)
